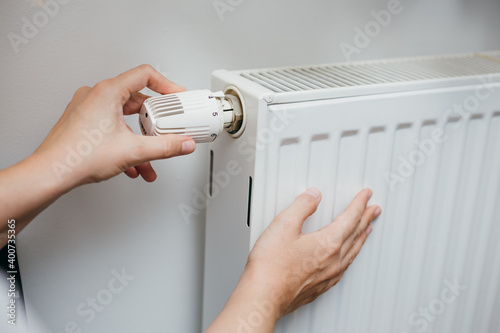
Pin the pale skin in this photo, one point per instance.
(286, 268)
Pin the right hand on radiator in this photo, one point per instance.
(287, 268)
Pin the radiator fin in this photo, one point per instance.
(283, 80)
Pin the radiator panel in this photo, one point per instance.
(441, 212)
(436, 224)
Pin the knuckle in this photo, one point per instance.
(82, 90)
(313, 297)
(345, 263)
(351, 259)
(335, 247)
(102, 87)
(359, 214)
(355, 215)
(355, 251)
(135, 155)
(335, 274)
(146, 67)
(166, 149)
(346, 230)
(332, 246)
(356, 234)
(171, 148)
(325, 288)
(343, 220)
(342, 253)
(310, 265)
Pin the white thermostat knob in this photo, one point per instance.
(200, 114)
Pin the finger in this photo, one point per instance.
(162, 146)
(143, 76)
(132, 172)
(369, 215)
(328, 284)
(351, 217)
(303, 206)
(353, 252)
(147, 172)
(354, 211)
(134, 103)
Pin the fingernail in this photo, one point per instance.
(370, 193)
(378, 211)
(369, 229)
(314, 192)
(188, 146)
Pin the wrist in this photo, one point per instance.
(250, 308)
(261, 292)
(54, 178)
(27, 188)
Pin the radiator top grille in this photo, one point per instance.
(292, 79)
(493, 56)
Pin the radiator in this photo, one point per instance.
(423, 133)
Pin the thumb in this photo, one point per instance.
(303, 206)
(165, 146)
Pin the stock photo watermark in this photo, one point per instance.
(262, 311)
(200, 199)
(89, 309)
(12, 292)
(222, 7)
(372, 29)
(222, 178)
(327, 246)
(76, 155)
(32, 24)
(426, 315)
(427, 147)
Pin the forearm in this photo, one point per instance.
(26, 189)
(251, 308)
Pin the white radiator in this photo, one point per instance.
(424, 134)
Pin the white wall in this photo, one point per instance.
(70, 251)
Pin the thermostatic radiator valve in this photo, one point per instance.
(200, 114)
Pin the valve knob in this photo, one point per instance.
(200, 114)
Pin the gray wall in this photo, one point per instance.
(73, 249)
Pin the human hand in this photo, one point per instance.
(287, 269)
(295, 268)
(91, 141)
